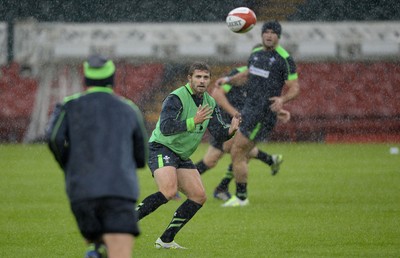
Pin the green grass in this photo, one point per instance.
(327, 201)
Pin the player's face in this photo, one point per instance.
(270, 39)
(199, 81)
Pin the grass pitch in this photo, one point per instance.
(327, 201)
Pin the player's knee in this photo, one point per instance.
(202, 198)
(169, 193)
(211, 163)
(199, 197)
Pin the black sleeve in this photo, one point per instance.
(250, 60)
(217, 127)
(57, 135)
(140, 141)
(52, 121)
(169, 117)
(291, 68)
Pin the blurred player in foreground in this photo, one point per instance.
(99, 140)
(269, 70)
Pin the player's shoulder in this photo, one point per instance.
(266, 54)
(123, 104)
(72, 97)
(126, 101)
(282, 52)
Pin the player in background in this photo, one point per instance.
(99, 140)
(231, 99)
(269, 70)
(185, 115)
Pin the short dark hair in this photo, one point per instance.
(199, 66)
(275, 26)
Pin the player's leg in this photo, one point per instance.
(213, 155)
(96, 250)
(274, 161)
(240, 150)
(119, 244)
(120, 226)
(167, 183)
(222, 190)
(190, 184)
(256, 153)
(90, 226)
(162, 164)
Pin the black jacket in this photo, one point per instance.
(99, 140)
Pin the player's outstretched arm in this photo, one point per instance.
(218, 94)
(238, 79)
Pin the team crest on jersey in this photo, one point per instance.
(272, 60)
(166, 159)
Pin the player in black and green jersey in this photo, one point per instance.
(186, 114)
(231, 99)
(269, 70)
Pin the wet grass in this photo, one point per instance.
(327, 201)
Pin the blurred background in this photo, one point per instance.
(347, 54)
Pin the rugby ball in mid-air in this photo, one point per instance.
(241, 20)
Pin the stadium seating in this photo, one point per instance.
(345, 101)
(17, 94)
(354, 101)
(17, 100)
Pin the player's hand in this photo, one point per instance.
(277, 104)
(234, 125)
(238, 116)
(220, 81)
(203, 113)
(283, 115)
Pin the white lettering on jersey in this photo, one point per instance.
(259, 72)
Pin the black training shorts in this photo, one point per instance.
(256, 124)
(105, 215)
(217, 144)
(161, 156)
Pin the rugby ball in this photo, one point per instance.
(241, 20)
